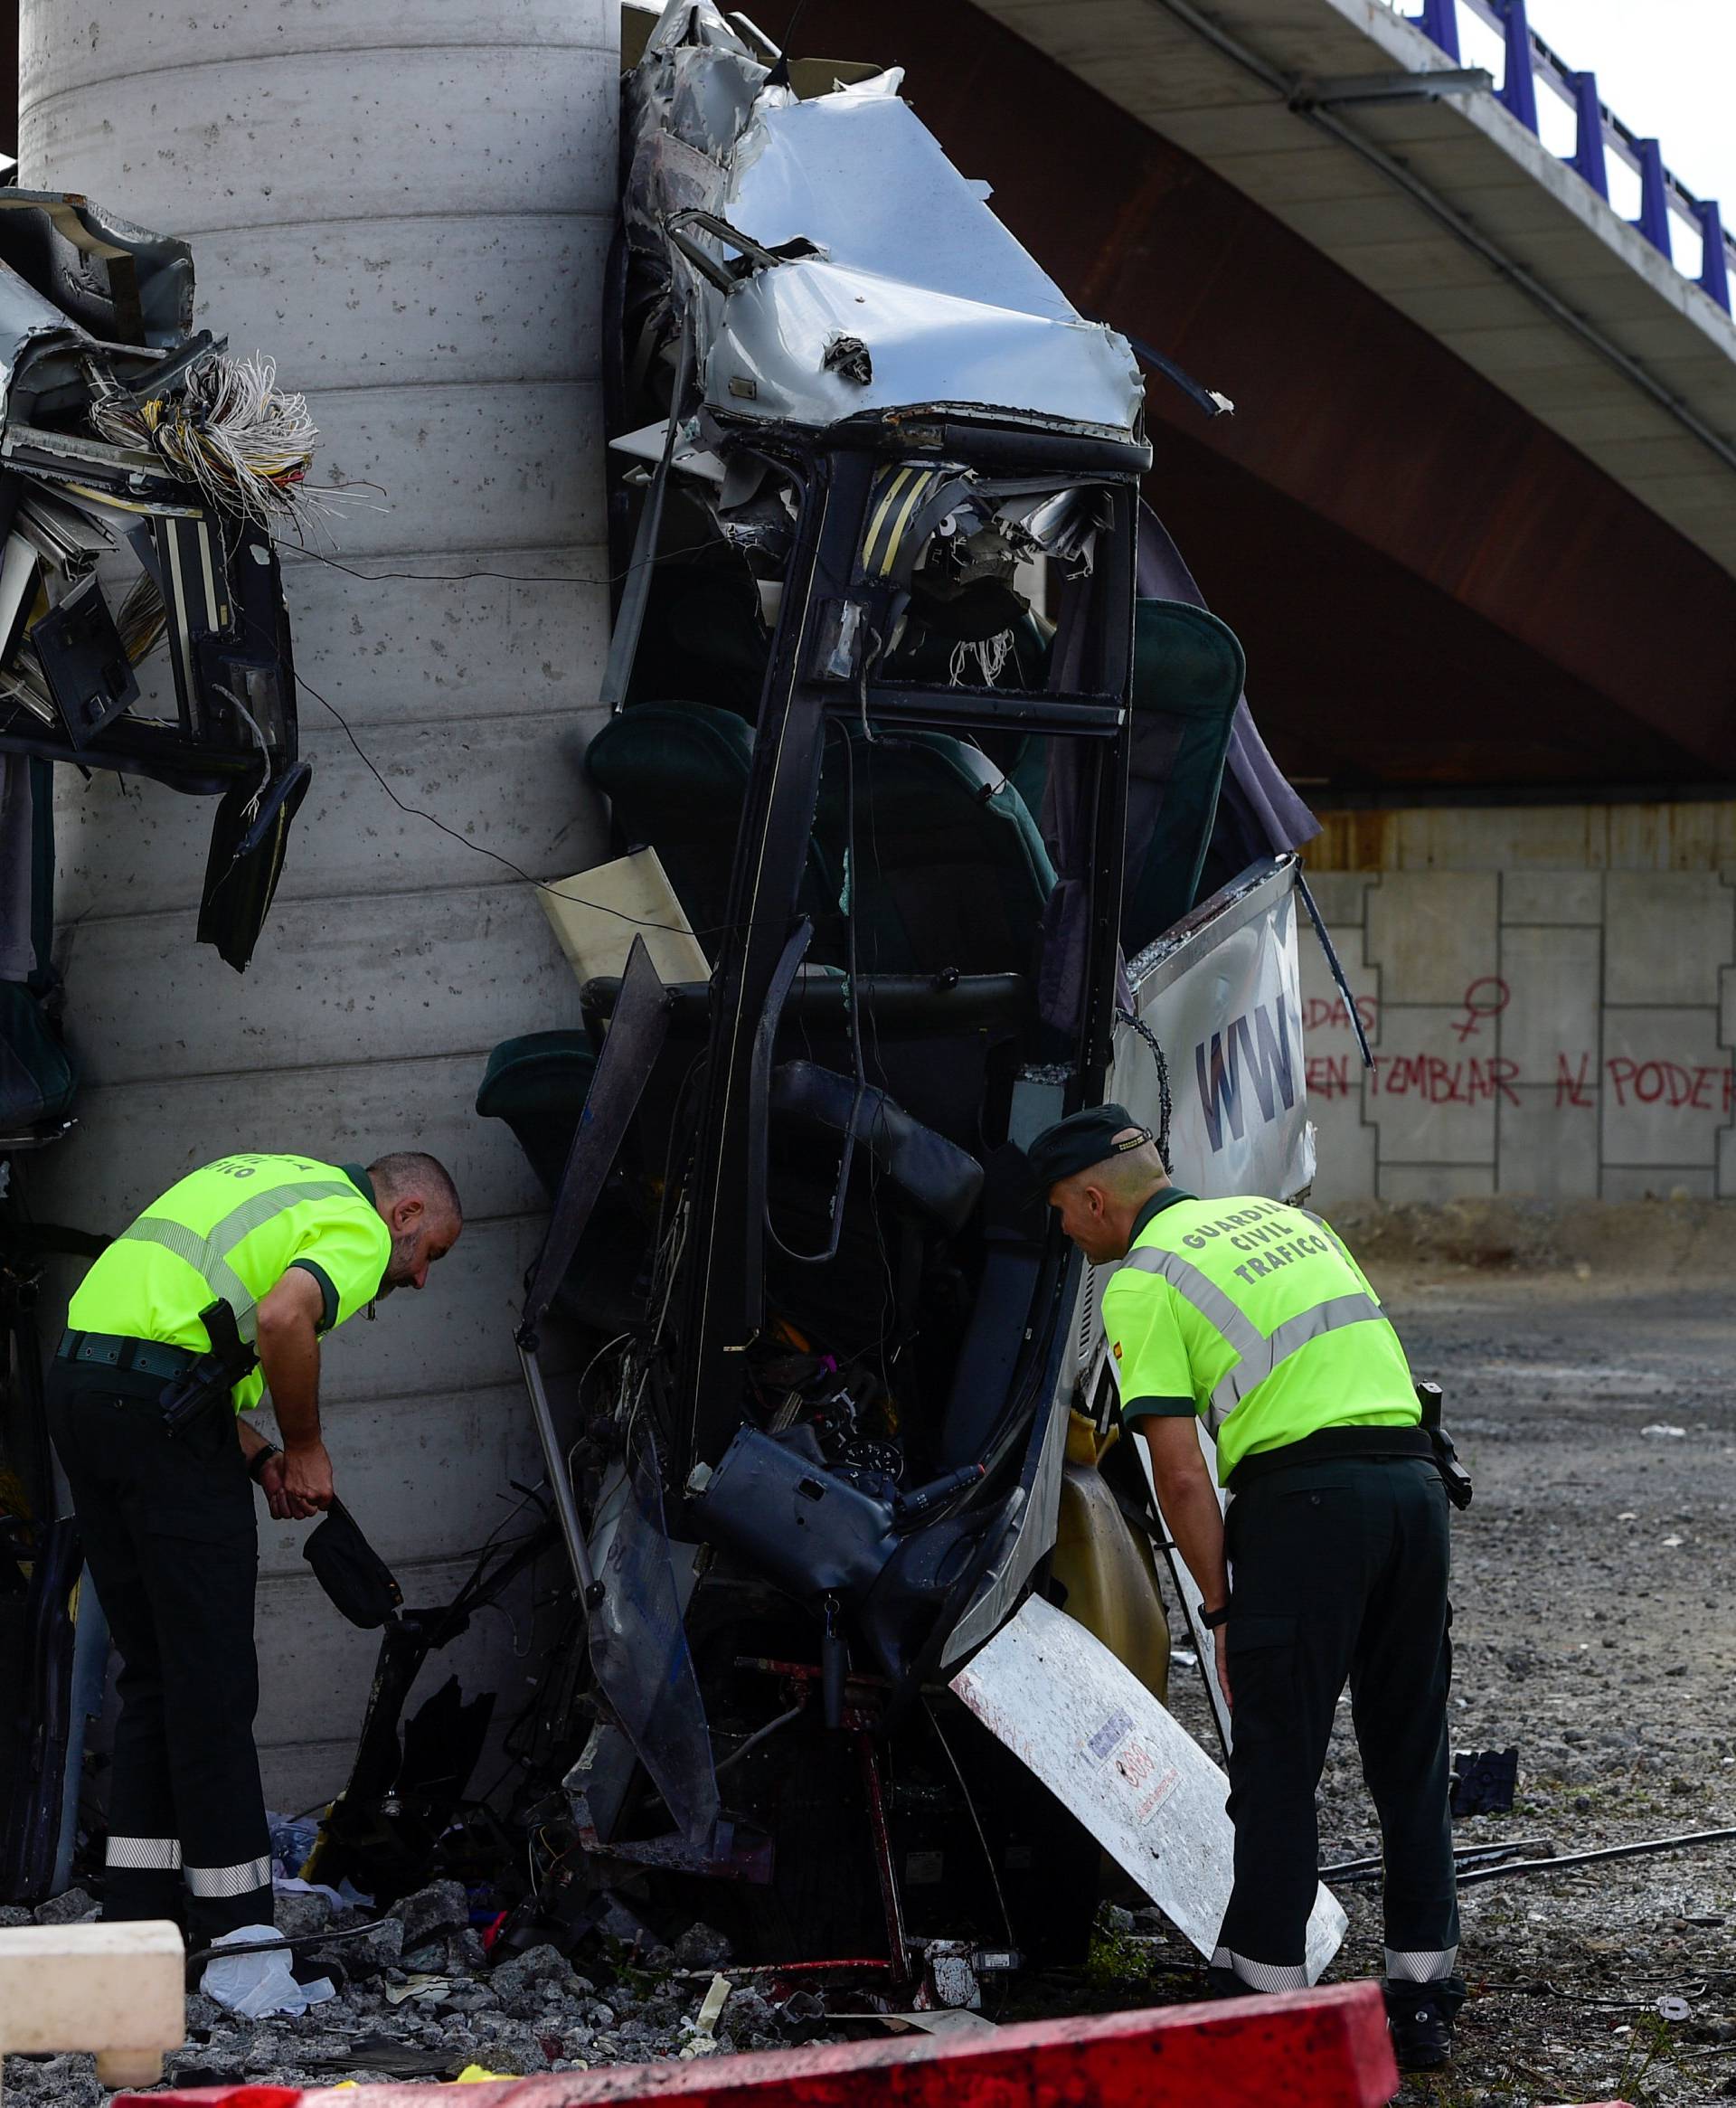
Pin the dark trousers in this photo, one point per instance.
(172, 1546)
(1339, 1573)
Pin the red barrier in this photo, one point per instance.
(1308, 2049)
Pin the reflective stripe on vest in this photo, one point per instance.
(209, 1255)
(1258, 1355)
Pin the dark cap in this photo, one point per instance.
(1078, 1141)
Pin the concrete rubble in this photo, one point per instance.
(418, 1997)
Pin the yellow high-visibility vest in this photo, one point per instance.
(231, 1232)
(1255, 1316)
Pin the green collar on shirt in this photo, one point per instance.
(1166, 1196)
(357, 1176)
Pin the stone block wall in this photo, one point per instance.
(1537, 1029)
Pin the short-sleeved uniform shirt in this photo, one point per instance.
(233, 1231)
(1253, 1315)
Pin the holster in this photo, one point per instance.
(1454, 1476)
(208, 1382)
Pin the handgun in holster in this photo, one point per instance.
(1454, 1476)
(208, 1380)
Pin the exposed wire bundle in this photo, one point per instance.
(231, 432)
(142, 620)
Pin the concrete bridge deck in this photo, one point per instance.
(1451, 209)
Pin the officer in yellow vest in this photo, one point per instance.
(1332, 1561)
(219, 1291)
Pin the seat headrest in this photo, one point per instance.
(929, 1174)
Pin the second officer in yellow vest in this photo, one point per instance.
(1332, 1561)
(219, 1291)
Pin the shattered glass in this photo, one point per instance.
(639, 1652)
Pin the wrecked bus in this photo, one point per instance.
(918, 729)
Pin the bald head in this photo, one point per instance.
(418, 1204)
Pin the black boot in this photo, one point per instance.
(1421, 2016)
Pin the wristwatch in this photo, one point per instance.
(256, 1462)
(1211, 1619)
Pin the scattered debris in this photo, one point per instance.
(142, 477)
(72, 1907)
(1485, 1781)
(259, 1983)
(1691, 1842)
(702, 2042)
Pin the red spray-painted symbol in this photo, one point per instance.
(1487, 997)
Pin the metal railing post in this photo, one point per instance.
(1518, 85)
(1654, 221)
(1438, 22)
(1588, 152)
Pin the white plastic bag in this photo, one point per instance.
(258, 1985)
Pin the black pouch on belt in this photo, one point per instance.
(350, 1571)
(1454, 1476)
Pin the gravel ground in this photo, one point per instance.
(1595, 1582)
(1593, 1630)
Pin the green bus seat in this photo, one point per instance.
(949, 873)
(675, 774)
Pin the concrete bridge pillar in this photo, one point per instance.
(409, 207)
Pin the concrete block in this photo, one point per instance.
(1328, 1033)
(1496, 838)
(434, 301)
(1401, 1183)
(1432, 1099)
(1345, 1147)
(456, 1335)
(516, 787)
(1341, 897)
(1549, 1024)
(1346, 1155)
(1696, 834)
(319, 126)
(59, 47)
(459, 644)
(1433, 933)
(483, 468)
(1626, 1182)
(146, 1136)
(1668, 1087)
(118, 1990)
(1553, 897)
(1547, 1145)
(1665, 935)
(421, 1474)
(410, 977)
(315, 1668)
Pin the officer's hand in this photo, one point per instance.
(285, 1506)
(1220, 1642)
(308, 1478)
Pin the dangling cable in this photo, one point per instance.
(1164, 1104)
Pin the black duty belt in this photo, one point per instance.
(149, 1357)
(1333, 1445)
